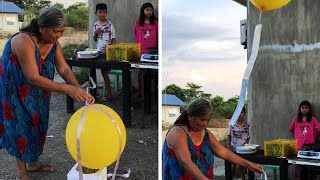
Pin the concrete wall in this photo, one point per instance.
(9, 22)
(287, 69)
(122, 14)
(170, 114)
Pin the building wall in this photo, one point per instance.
(122, 14)
(9, 22)
(170, 114)
(287, 69)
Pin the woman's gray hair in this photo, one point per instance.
(198, 108)
(48, 17)
(51, 17)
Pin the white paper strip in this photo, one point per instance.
(246, 76)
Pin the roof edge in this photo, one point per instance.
(241, 2)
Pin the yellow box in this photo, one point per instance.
(123, 51)
(281, 147)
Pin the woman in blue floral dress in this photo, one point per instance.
(189, 148)
(27, 69)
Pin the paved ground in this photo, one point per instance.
(140, 154)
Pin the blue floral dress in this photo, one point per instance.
(201, 155)
(24, 110)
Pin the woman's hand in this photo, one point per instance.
(78, 94)
(255, 167)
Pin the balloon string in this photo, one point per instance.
(80, 129)
(260, 17)
(78, 143)
(90, 87)
(120, 137)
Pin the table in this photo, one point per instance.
(147, 82)
(311, 166)
(101, 63)
(259, 157)
(308, 162)
(125, 66)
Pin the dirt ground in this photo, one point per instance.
(140, 154)
(69, 36)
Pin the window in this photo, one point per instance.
(10, 21)
(172, 112)
(172, 115)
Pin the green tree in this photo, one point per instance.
(78, 16)
(217, 101)
(19, 3)
(193, 91)
(31, 7)
(59, 6)
(175, 90)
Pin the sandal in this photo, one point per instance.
(41, 167)
(24, 177)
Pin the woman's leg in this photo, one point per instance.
(40, 166)
(22, 169)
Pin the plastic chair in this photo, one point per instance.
(274, 168)
(116, 87)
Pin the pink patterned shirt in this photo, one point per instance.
(147, 35)
(305, 132)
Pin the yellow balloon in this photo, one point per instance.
(99, 139)
(265, 5)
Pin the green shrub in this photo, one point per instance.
(82, 75)
(224, 141)
(68, 49)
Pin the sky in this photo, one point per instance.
(201, 44)
(68, 3)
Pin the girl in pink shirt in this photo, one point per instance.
(304, 126)
(146, 28)
(146, 32)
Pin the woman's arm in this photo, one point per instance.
(63, 68)
(177, 141)
(66, 73)
(23, 48)
(228, 155)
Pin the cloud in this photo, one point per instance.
(178, 30)
(221, 78)
(201, 44)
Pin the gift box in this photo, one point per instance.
(281, 147)
(74, 175)
(123, 51)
